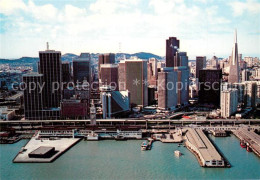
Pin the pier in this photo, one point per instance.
(251, 138)
(199, 144)
(44, 150)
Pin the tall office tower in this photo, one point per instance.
(200, 64)
(81, 68)
(133, 77)
(183, 73)
(121, 75)
(167, 94)
(250, 93)
(109, 75)
(33, 98)
(234, 64)
(172, 46)
(114, 103)
(209, 90)
(108, 58)
(229, 102)
(50, 67)
(66, 74)
(152, 71)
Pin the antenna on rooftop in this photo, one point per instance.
(47, 45)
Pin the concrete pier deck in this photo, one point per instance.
(199, 144)
(61, 145)
(251, 138)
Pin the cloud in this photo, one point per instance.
(250, 7)
(8, 7)
(100, 25)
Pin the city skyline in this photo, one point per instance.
(129, 26)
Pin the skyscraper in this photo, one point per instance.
(209, 90)
(234, 64)
(200, 64)
(229, 102)
(50, 67)
(108, 58)
(133, 77)
(33, 99)
(172, 46)
(66, 76)
(81, 68)
(109, 75)
(182, 69)
(167, 96)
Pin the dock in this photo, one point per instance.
(173, 137)
(251, 138)
(150, 143)
(52, 147)
(206, 153)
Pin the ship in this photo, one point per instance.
(144, 146)
(177, 153)
(242, 144)
(92, 137)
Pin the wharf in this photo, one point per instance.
(61, 145)
(199, 144)
(173, 137)
(150, 143)
(251, 138)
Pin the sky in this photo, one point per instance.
(204, 27)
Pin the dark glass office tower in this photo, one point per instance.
(33, 100)
(50, 67)
(81, 68)
(172, 46)
(200, 64)
(209, 90)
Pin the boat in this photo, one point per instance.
(120, 138)
(177, 153)
(92, 137)
(144, 146)
(243, 144)
(248, 148)
(179, 145)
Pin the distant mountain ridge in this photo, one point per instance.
(70, 56)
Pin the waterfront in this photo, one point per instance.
(111, 159)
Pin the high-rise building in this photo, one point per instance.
(81, 68)
(66, 73)
(108, 58)
(109, 75)
(167, 92)
(183, 73)
(229, 102)
(172, 46)
(121, 75)
(133, 77)
(209, 86)
(234, 75)
(33, 98)
(200, 64)
(250, 94)
(152, 71)
(50, 67)
(114, 102)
